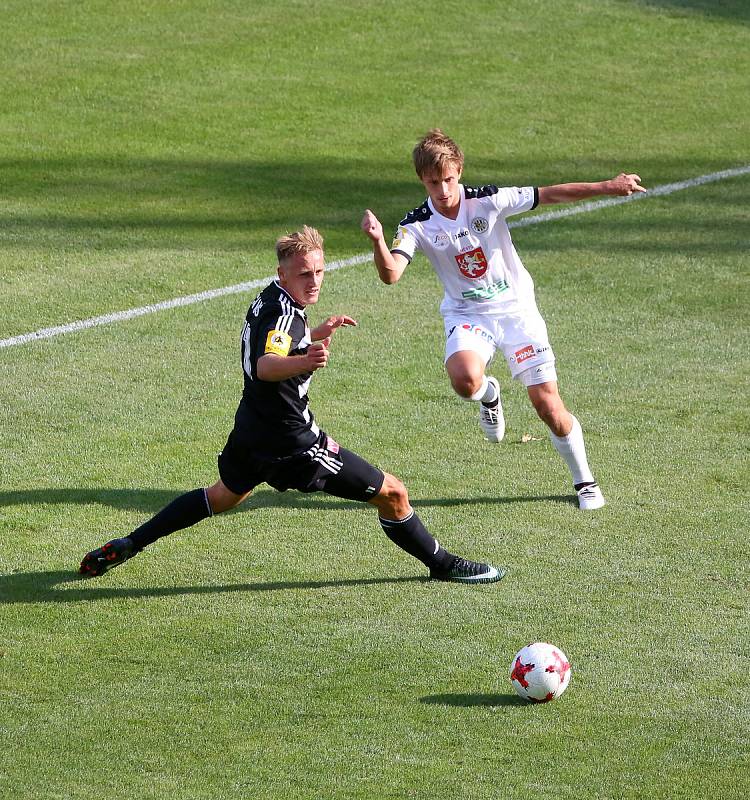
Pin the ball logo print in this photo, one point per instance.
(540, 672)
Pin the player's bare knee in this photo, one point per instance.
(394, 490)
(465, 384)
(221, 499)
(392, 500)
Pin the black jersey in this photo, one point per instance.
(273, 417)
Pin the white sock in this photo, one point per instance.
(486, 393)
(573, 451)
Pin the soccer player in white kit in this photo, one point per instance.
(489, 302)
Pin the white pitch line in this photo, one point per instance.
(579, 208)
(657, 191)
(187, 300)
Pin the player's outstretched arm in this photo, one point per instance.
(327, 327)
(623, 185)
(390, 265)
(274, 368)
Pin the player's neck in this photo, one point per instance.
(448, 210)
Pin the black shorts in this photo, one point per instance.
(324, 467)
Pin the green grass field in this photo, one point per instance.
(288, 650)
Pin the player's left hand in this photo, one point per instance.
(625, 184)
(326, 328)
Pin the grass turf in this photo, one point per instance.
(288, 648)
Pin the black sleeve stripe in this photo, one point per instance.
(402, 253)
(420, 214)
(536, 197)
(480, 191)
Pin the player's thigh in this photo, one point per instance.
(356, 480)
(238, 470)
(536, 379)
(526, 348)
(469, 334)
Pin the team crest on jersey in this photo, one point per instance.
(399, 237)
(278, 342)
(479, 225)
(473, 264)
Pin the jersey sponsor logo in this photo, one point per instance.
(524, 353)
(398, 237)
(440, 241)
(477, 330)
(278, 342)
(473, 264)
(479, 225)
(460, 235)
(486, 292)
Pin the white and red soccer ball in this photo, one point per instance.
(540, 672)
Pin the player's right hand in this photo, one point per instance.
(371, 226)
(317, 354)
(625, 184)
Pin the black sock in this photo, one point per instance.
(182, 512)
(412, 536)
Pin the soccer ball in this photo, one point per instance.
(540, 672)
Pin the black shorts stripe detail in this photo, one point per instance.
(343, 474)
(322, 456)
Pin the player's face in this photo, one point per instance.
(442, 187)
(302, 276)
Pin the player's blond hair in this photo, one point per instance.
(435, 152)
(305, 241)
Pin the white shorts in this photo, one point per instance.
(521, 337)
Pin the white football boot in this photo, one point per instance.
(492, 419)
(590, 497)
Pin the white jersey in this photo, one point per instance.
(473, 255)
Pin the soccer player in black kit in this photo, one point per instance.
(275, 438)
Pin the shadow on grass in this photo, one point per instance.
(241, 205)
(149, 501)
(735, 10)
(66, 586)
(473, 700)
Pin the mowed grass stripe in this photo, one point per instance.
(210, 294)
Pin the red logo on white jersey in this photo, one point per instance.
(472, 264)
(524, 353)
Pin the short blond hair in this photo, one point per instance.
(435, 151)
(305, 241)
